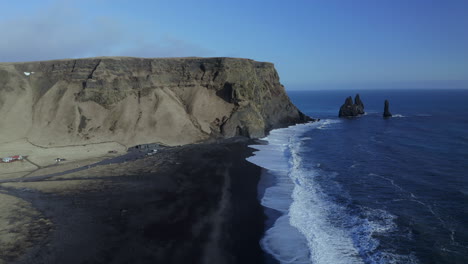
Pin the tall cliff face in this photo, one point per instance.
(135, 100)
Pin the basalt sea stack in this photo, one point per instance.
(386, 113)
(348, 109)
(136, 100)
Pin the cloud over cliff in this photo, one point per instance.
(59, 31)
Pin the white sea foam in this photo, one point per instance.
(325, 124)
(306, 212)
(285, 243)
(314, 228)
(310, 213)
(398, 115)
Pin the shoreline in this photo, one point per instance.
(196, 202)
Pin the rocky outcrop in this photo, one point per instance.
(359, 103)
(386, 113)
(350, 109)
(135, 100)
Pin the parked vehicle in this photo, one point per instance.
(12, 158)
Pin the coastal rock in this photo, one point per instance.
(134, 101)
(350, 109)
(386, 113)
(359, 103)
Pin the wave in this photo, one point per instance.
(417, 115)
(283, 241)
(370, 113)
(317, 224)
(326, 124)
(410, 197)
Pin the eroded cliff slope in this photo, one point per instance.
(135, 100)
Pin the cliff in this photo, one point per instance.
(135, 100)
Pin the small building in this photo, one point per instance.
(12, 158)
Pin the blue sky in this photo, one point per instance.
(313, 43)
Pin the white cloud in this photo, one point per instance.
(62, 31)
(167, 46)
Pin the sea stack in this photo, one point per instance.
(348, 109)
(359, 103)
(386, 113)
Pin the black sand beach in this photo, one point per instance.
(191, 204)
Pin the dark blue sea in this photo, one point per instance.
(368, 189)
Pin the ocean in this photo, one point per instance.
(368, 189)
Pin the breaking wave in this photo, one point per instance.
(316, 225)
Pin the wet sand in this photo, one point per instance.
(190, 204)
